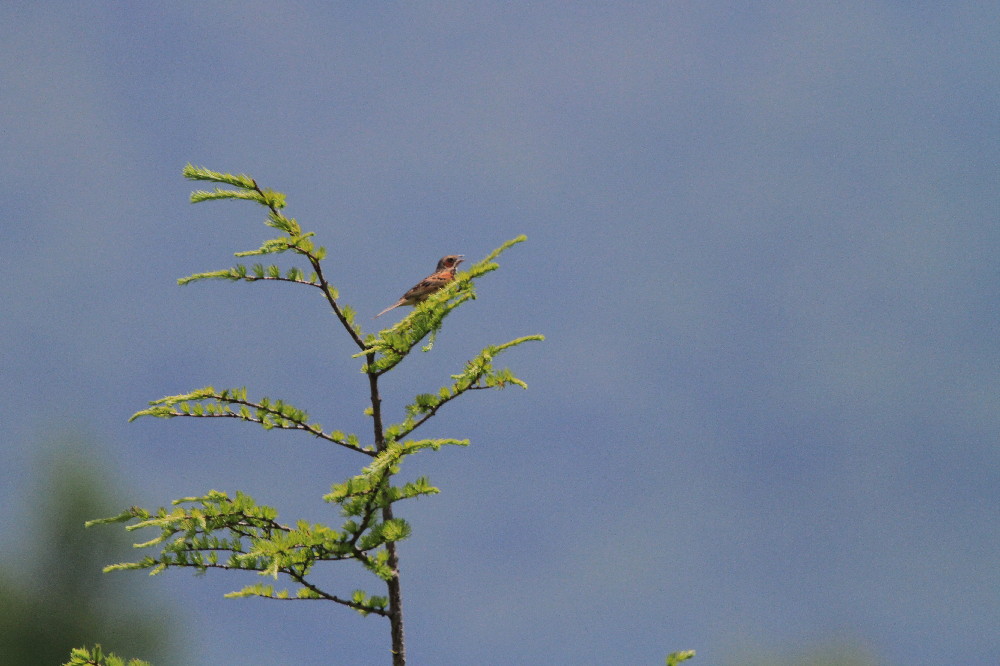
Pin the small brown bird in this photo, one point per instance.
(444, 274)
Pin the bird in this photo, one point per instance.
(442, 275)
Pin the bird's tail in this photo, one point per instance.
(391, 307)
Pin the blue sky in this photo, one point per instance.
(762, 247)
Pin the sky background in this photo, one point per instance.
(762, 246)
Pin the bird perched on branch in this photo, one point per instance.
(444, 274)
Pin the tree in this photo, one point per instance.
(58, 597)
(219, 531)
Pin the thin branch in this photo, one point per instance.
(433, 410)
(255, 278)
(298, 578)
(327, 557)
(323, 284)
(250, 535)
(298, 425)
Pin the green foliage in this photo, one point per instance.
(243, 181)
(675, 658)
(253, 274)
(95, 657)
(478, 374)
(293, 239)
(233, 403)
(215, 531)
(219, 532)
(392, 345)
(53, 596)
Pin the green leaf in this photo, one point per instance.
(203, 195)
(127, 514)
(396, 529)
(225, 274)
(282, 244)
(675, 658)
(256, 590)
(95, 656)
(243, 181)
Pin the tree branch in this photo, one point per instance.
(323, 284)
(166, 408)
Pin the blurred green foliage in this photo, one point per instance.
(54, 595)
